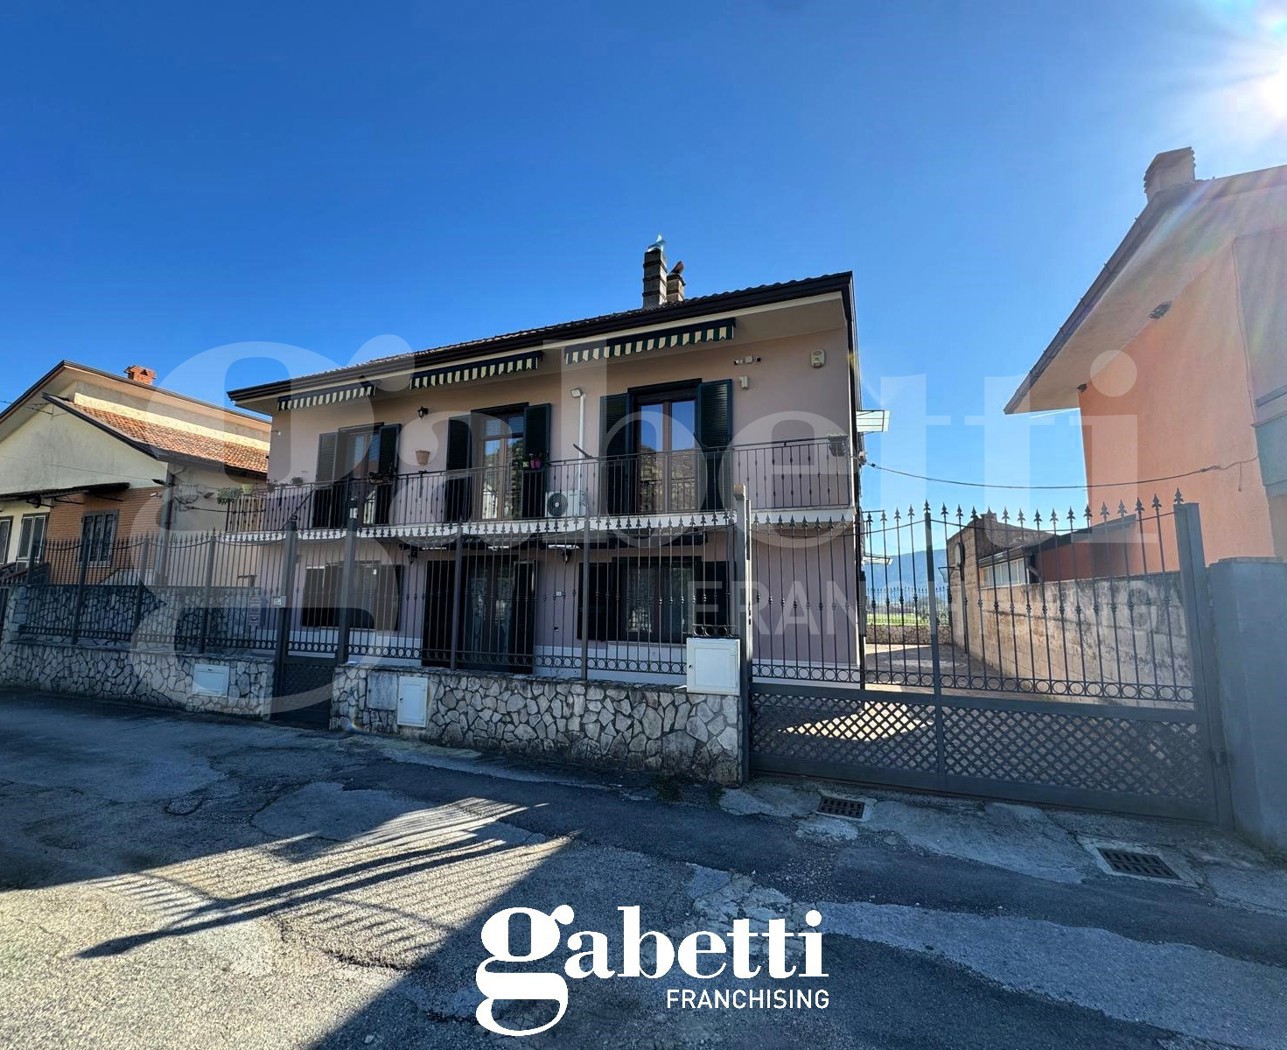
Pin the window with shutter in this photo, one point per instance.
(616, 443)
(537, 420)
(6, 536)
(459, 493)
(327, 502)
(386, 481)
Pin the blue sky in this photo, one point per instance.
(351, 179)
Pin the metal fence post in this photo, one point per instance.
(456, 587)
(740, 534)
(932, 596)
(207, 592)
(290, 555)
(138, 588)
(346, 587)
(1202, 656)
(80, 591)
(585, 599)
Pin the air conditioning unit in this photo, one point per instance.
(564, 504)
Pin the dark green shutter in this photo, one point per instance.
(616, 465)
(536, 446)
(327, 449)
(387, 483)
(327, 499)
(459, 495)
(714, 435)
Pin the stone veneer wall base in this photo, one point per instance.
(604, 724)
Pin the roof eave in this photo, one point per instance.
(586, 328)
(1144, 224)
(161, 455)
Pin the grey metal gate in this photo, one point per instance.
(1023, 661)
(309, 628)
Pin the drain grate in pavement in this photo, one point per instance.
(1141, 865)
(835, 806)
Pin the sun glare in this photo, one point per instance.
(1273, 90)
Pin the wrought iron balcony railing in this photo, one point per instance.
(815, 473)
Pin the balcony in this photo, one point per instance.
(791, 478)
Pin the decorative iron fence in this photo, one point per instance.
(1075, 606)
(198, 592)
(588, 596)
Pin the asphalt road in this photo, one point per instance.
(169, 880)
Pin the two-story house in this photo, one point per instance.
(94, 458)
(562, 494)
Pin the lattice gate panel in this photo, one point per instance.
(844, 729)
(1088, 752)
(1147, 761)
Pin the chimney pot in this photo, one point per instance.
(1175, 167)
(654, 275)
(140, 374)
(675, 284)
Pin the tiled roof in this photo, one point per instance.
(624, 317)
(235, 454)
(692, 306)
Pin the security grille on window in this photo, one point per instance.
(660, 601)
(377, 596)
(98, 534)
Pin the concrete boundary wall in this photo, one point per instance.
(1249, 606)
(606, 724)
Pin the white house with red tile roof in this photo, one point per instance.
(83, 451)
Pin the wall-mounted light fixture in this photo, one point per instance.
(422, 411)
(576, 391)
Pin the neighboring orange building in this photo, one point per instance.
(1177, 357)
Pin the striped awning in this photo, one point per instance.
(324, 397)
(710, 332)
(467, 373)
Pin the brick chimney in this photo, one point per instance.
(139, 374)
(1173, 168)
(654, 274)
(675, 284)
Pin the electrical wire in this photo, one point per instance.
(1098, 485)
